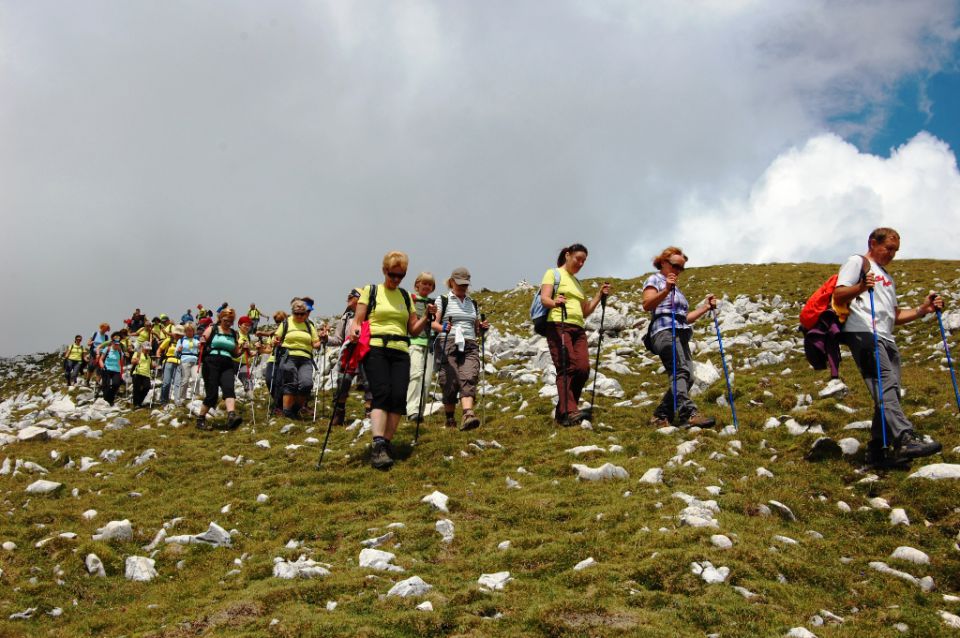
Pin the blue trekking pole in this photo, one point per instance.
(673, 346)
(726, 374)
(876, 356)
(946, 348)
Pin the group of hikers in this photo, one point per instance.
(394, 342)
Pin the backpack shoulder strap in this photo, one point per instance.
(372, 301)
(864, 267)
(406, 300)
(444, 300)
(556, 282)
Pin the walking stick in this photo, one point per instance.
(253, 411)
(423, 379)
(196, 384)
(946, 348)
(323, 379)
(443, 354)
(876, 356)
(153, 379)
(596, 365)
(483, 375)
(343, 387)
(316, 388)
(723, 360)
(563, 361)
(673, 346)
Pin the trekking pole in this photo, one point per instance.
(673, 347)
(423, 381)
(443, 355)
(323, 379)
(596, 365)
(196, 384)
(876, 356)
(153, 379)
(946, 348)
(316, 388)
(343, 387)
(483, 374)
(563, 362)
(723, 360)
(253, 411)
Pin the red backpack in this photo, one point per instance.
(822, 300)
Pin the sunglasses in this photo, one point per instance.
(397, 275)
(679, 267)
(299, 314)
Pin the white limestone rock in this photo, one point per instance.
(425, 606)
(785, 512)
(899, 517)
(494, 582)
(721, 541)
(938, 471)
(849, 445)
(378, 540)
(653, 476)
(925, 584)
(950, 620)
(411, 587)
(33, 433)
(95, 566)
(300, 568)
(800, 632)
(607, 471)
(582, 565)
(140, 568)
(115, 531)
(911, 555)
(584, 449)
(43, 487)
(710, 574)
(378, 560)
(438, 500)
(445, 528)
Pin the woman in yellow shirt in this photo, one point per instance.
(296, 339)
(568, 309)
(392, 321)
(73, 359)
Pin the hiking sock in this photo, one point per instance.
(378, 440)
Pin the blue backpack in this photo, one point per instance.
(539, 312)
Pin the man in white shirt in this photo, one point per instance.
(854, 284)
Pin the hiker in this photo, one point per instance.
(188, 349)
(111, 367)
(136, 320)
(670, 313)
(421, 348)
(73, 359)
(391, 320)
(142, 374)
(338, 338)
(222, 307)
(170, 364)
(221, 345)
(94, 343)
(186, 318)
(276, 397)
(254, 314)
(854, 287)
(459, 357)
(244, 361)
(562, 294)
(296, 339)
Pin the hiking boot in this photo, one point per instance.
(202, 423)
(699, 421)
(911, 446)
(883, 459)
(339, 415)
(660, 422)
(233, 420)
(380, 456)
(470, 421)
(571, 418)
(451, 420)
(290, 413)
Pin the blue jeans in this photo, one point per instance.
(171, 376)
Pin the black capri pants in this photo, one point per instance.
(218, 373)
(297, 374)
(388, 374)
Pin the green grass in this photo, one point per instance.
(642, 584)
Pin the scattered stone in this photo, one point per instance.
(95, 566)
(843, 507)
(33, 433)
(824, 448)
(378, 541)
(785, 512)
(512, 485)
(763, 472)
(710, 574)
(504, 545)
(146, 456)
(899, 517)
(925, 583)
(140, 568)
(9, 546)
(849, 445)
(300, 568)
(378, 560)
(425, 606)
(652, 476)
(950, 620)
(262, 498)
(115, 531)
(785, 540)
(587, 562)
(721, 541)
(494, 582)
(445, 528)
(413, 586)
(43, 486)
(938, 471)
(331, 604)
(215, 535)
(604, 472)
(911, 555)
(26, 614)
(800, 632)
(438, 500)
(263, 444)
(584, 449)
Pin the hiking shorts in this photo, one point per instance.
(218, 373)
(297, 374)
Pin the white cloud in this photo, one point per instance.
(819, 202)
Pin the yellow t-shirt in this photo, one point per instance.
(75, 352)
(143, 364)
(390, 316)
(169, 348)
(571, 289)
(299, 338)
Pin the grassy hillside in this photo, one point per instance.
(511, 481)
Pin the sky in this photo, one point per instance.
(164, 154)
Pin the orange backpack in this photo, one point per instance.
(822, 300)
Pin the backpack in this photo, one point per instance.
(822, 300)
(363, 344)
(445, 299)
(539, 312)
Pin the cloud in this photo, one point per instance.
(162, 154)
(818, 202)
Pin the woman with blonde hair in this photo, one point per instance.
(392, 321)
(669, 337)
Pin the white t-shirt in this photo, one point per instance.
(884, 299)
